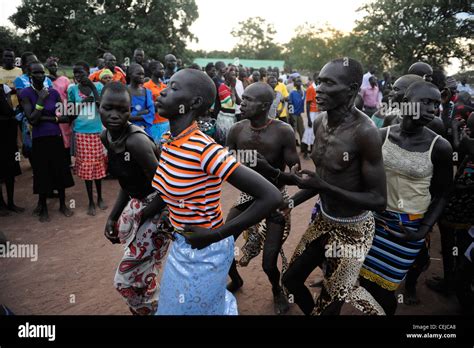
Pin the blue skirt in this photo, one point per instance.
(194, 281)
(390, 257)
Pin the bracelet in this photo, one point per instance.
(39, 107)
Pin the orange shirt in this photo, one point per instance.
(311, 98)
(189, 178)
(119, 75)
(155, 91)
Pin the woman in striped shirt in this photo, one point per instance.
(188, 179)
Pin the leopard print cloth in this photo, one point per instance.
(255, 236)
(341, 273)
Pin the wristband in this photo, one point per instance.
(39, 107)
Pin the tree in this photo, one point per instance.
(256, 40)
(404, 31)
(312, 47)
(85, 29)
(9, 39)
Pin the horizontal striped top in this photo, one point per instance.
(189, 177)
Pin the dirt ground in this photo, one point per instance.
(76, 264)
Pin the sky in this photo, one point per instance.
(217, 18)
(284, 15)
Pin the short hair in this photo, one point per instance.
(133, 67)
(25, 55)
(439, 78)
(220, 65)
(84, 65)
(117, 88)
(419, 84)
(8, 49)
(153, 64)
(271, 76)
(209, 66)
(51, 59)
(195, 66)
(32, 63)
(355, 71)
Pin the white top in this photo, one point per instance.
(409, 176)
(6, 89)
(365, 80)
(239, 89)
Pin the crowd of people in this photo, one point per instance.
(392, 158)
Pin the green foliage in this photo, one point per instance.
(85, 29)
(256, 40)
(11, 40)
(401, 32)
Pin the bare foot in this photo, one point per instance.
(15, 209)
(43, 215)
(66, 211)
(101, 204)
(91, 209)
(281, 305)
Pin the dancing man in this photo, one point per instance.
(274, 141)
(350, 181)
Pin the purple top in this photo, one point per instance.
(43, 128)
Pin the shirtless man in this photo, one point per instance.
(350, 181)
(274, 141)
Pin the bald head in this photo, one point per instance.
(406, 80)
(261, 91)
(425, 88)
(196, 83)
(401, 85)
(421, 69)
(257, 100)
(170, 62)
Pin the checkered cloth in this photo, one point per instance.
(90, 157)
